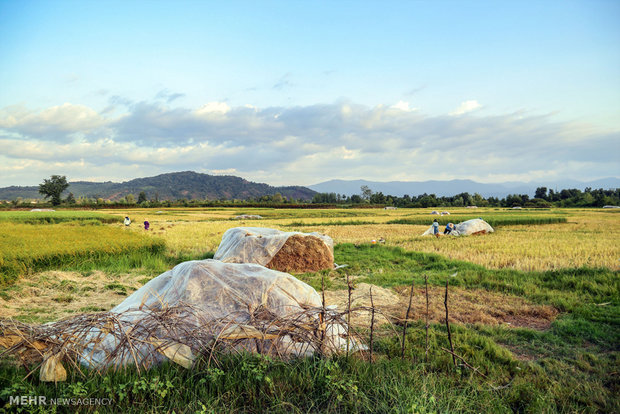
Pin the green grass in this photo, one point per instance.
(565, 378)
(493, 220)
(270, 213)
(329, 223)
(572, 367)
(54, 217)
(385, 266)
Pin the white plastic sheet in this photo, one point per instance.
(465, 228)
(214, 290)
(257, 244)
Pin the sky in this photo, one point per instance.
(300, 92)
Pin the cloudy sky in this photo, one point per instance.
(299, 92)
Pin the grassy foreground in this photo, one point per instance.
(571, 367)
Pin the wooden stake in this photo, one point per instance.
(427, 324)
(350, 287)
(322, 326)
(445, 302)
(402, 347)
(372, 322)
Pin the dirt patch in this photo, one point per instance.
(465, 306)
(384, 300)
(302, 254)
(53, 295)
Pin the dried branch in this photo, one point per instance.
(402, 348)
(445, 302)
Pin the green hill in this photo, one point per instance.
(171, 186)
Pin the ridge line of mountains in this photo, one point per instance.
(197, 186)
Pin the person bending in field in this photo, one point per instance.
(449, 228)
(127, 221)
(436, 228)
(146, 224)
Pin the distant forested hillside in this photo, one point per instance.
(172, 186)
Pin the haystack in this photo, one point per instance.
(197, 308)
(284, 251)
(466, 228)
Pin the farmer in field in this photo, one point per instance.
(449, 228)
(436, 228)
(127, 221)
(146, 224)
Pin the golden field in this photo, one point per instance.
(589, 238)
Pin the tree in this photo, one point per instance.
(277, 198)
(141, 197)
(130, 199)
(541, 192)
(366, 192)
(53, 188)
(356, 199)
(70, 199)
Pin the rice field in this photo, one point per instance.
(542, 240)
(62, 216)
(536, 308)
(26, 248)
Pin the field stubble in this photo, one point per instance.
(588, 239)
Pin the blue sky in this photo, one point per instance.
(306, 91)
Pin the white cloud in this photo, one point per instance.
(213, 108)
(466, 107)
(403, 106)
(304, 145)
(227, 171)
(53, 122)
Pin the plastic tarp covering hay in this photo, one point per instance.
(466, 228)
(254, 308)
(275, 249)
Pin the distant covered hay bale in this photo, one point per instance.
(434, 212)
(285, 251)
(467, 228)
(473, 227)
(248, 217)
(301, 254)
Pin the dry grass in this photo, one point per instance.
(466, 306)
(53, 295)
(588, 239)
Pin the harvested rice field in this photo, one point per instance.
(534, 306)
(588, 238)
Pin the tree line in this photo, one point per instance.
(544, 197)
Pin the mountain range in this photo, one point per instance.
(192, 185)
(453, 187)
(172, 186)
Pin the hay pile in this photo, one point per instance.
(466, 228)
(284, 251)
(181, 334)
(199, 308)
(301, 254)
